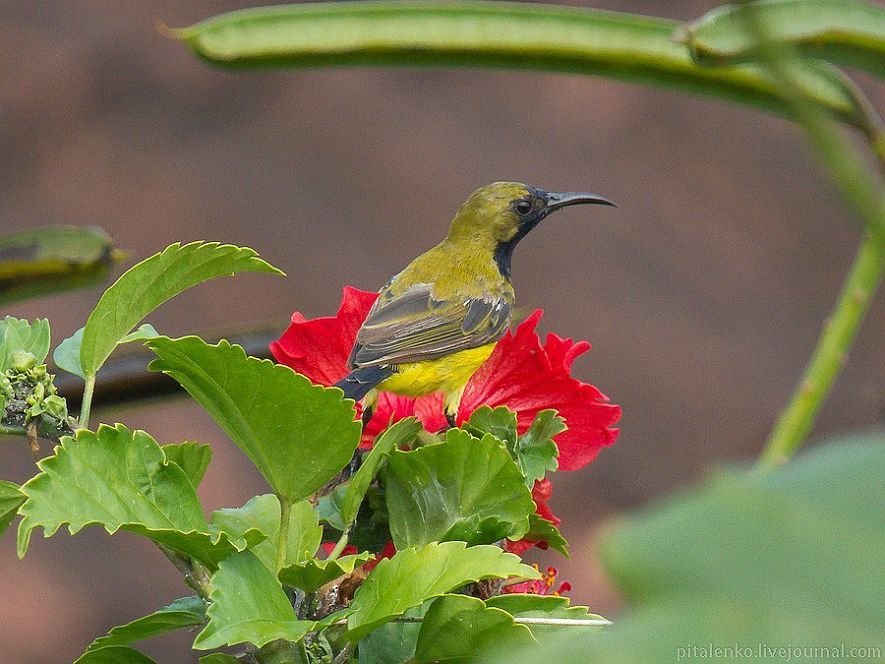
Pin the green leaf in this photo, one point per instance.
(847, 32)
(415, 575)
(262, 513)
(461, 629)
(145, 286)
(219, 658)
(67, 354)
(465, 488)
(114, 655)
(19, 334)
(299, 435)
(545, 606)
(491, 34)
(500, 422)
(311, 575)
(121, 479)
(192, 458)
(52, 259)
(184, 612)
(248, 605)
(394, 437)
(393, 642)
(536, 452)
(787, 557)
(11, 499)
(540, 529)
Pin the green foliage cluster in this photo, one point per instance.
(263, 581)
(780, 555)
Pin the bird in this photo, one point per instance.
(436, 322)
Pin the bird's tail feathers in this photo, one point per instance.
(361, 381)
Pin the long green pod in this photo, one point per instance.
(491, 34)
(50, 259)
(847, 32)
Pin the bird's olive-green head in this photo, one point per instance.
(499, 215)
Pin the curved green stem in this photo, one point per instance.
(85, 407)
(340, 544)
(285, 510)
(829, 356)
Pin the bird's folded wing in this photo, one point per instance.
(414, 326)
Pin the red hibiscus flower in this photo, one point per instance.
(521, 373)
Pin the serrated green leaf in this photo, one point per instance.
(394, 437)
(248, 605)
(500, 422)
(465, 488)
(847, 32)
(311, 575)
(462, 630)
(52, 259)
(415, 575)
(145, 286)
(540, 529)
(299, 435)
(120, 479)
(115, 655)
(184, 612)
(19, 334)
(262, 513)
(536, 452)
(11, 499)
(492, 34)
(192, 458)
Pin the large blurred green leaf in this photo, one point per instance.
(11, 499)
(299, 435)
(465, 488)
(248, 605)
(414, 575)
(19, 334)
(262, 513)
(792, 557)
(51, 259)
(489, 34)
(848, 32)
(184, 612)
(145, 286)
(121, 479)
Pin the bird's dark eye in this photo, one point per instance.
(523, 206)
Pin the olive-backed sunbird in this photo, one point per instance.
(437, 321)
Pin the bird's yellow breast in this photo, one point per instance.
(447, 374)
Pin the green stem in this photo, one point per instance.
(340, 544)
(830, 354)
(87, 401)
(285, 510)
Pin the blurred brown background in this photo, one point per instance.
(702, 293)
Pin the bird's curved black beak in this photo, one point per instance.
(556, 201)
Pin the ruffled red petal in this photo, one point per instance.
(319, 348)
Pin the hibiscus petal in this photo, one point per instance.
(319, 348)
